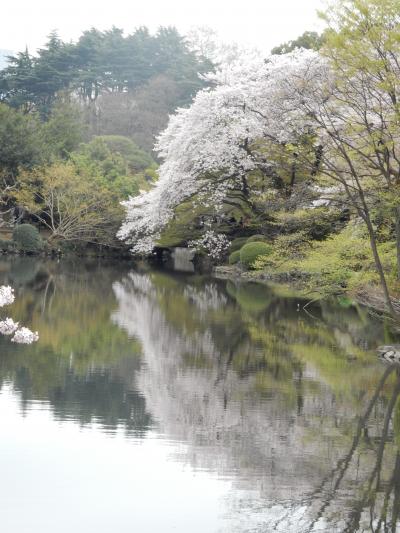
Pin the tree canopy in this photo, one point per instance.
(310, 40)
(330, 116)
(100, 62)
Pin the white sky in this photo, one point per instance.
(260, 23)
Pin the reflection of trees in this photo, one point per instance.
(84, 365)
(266, 392)
(101, 397)
(258, 390)
(70, 304)
(371, 488)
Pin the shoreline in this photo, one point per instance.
(369, 297)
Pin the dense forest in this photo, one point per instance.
(125, 85)
(77, 126)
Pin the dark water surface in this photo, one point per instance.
(158, 403)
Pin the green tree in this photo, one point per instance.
(127, 85)
(310, 40)
(135, 158)
(72, 206)
(361, 119)
(21, 145)
(54, 71)
(18, 83)
(118, 162)
(64, 129)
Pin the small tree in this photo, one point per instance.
(71, 206)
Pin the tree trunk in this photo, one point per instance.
(379, 267)
(293, 171)
(397, 226)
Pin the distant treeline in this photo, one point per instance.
(127, 85)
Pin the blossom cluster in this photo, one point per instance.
(25, 336)
(21, 335)
(214, 244)
(8, 326)
(6, 296)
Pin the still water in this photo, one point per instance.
(156, 402)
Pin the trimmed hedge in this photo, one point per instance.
(257, 238)
(27, 238)
(234, 257)
(236, 244)
(252, 251)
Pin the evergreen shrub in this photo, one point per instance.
(236, 244)
(251, 251)
(27, 238)
(234, 257)
(257, 238)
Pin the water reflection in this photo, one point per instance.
(264, 391)
(291, 407)
(84, 365)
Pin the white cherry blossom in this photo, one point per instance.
(25, 336)
(8, 326)
(22, 335)
(215, 245)
(205, 147)
(6, 296)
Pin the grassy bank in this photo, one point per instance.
(340, 265)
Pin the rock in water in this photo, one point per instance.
(390, 353)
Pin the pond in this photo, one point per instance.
(158, 402)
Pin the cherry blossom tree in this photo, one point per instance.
(209, 149)
(343, 101)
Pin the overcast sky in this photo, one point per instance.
(261, 23)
